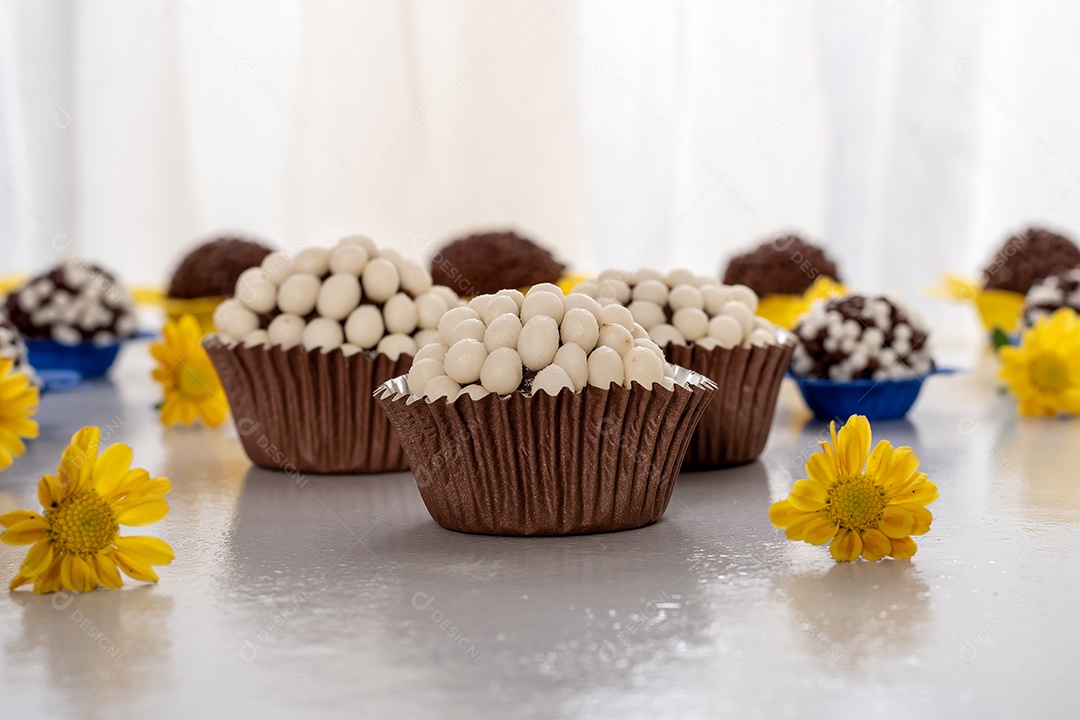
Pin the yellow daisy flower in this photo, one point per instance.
(867, 503)
(18, 403)
(1044, 370)
(192, 388)
(76, 543)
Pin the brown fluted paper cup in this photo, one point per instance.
(735, 426)
(304, 411)
(593, 461)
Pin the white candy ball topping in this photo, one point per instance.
(502, 371)
(400, 314)
(322, 334)
(338, 296)
(464, 360)
(503, 331)
(605, 368)
(394, 346)
(542, 303)
(538, 342)
(348, 259)
(298, 294)
(579, 326)
(551, 380)
(286, 330)
(364, 326)
(380, 280)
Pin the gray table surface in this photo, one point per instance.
(340, 597)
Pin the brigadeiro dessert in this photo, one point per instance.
(541, 414)
(208, 274)
(785, 265)
(12, 346)
(306, 340)
(1028, 257)
(485, 263)
(1050, 294)
(711, 329)
(861, 354)
(73, 317)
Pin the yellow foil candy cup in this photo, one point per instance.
(997, 308)
(202, 309)
(785, 310)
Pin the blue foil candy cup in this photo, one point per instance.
(89, 360)
(876, 399)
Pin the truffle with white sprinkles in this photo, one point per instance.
(681, 308)
(73, 303)
(544, 344)
(861, 337)
(12, 346)
(351, 297)
(1050, 294)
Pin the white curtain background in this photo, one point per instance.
(908, 136)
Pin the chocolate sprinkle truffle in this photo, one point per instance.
(859, 337)
(12, 346)
(1050, 294)
(785, 265)
(1028, 257)
(485, 263)
(212, 268)
(71, 304)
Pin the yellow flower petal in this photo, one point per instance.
(880, 460)
(808, 495)
(919, 493)
(16, 516)
(782, 514)
(135, 569)
(903, 548)
(846, 546)
(48, 491)
(896, 522)
(905, 464)
(19, 580)
(26, 532)
(820, 469)
(77, 463)
(111, 467)
(876, 544)
(107, 572)
(797, 530)
(150, 550)
(38, 559)
(921, 516)
(853, 444)
(144, 511)
(820, 530)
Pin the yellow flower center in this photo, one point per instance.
(195, 382)
(1048, 373)
(82, 524)
(855, 503)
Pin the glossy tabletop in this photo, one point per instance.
(313, 596)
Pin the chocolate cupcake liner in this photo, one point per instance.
(735, 426)
(593, 461)
(310, 411)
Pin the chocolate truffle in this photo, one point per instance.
(212, 268)
(12, 346)
(785, 265)
(1051, 293)
(73, 303)
(485, 263)
(861, 337)
(1028, 257)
